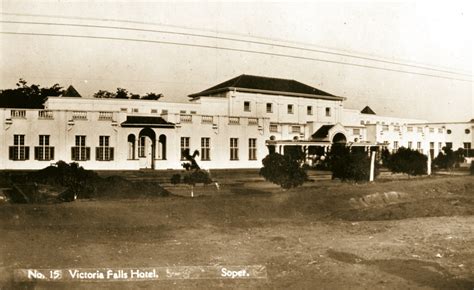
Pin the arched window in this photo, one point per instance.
(131, 146)
(162, 147)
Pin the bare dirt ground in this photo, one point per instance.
(405, 234)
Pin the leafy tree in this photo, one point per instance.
(349, 165)
(28, 96)
(152, 96)
(134, 96)
(121, 93)
(102, 94)
(446, 160)
(283, 170)
(408, 161)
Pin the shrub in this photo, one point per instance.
(408, 161)
(350, 165)
(197, 176)
(176, 178)
(283, 170)
(448, 159)
(472, 167)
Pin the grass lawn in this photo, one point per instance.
(416, 233)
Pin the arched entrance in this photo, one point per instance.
(146, 148)
(339, 138)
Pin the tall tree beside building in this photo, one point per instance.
(28, 96)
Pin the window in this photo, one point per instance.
(290, 109)
(246, 106)
(431, 130)
(467, 148)
(269, 108)
(409, 129)
(355, 131)
(164, 112)
(448, 131)
(309, 110)
(135, 110)
(295, 129)
(123, 110)
(44, 152)
(418, 147)
(205, 148)
(419, 129)
(467, 131)
(182, 112)
(131, 146)
(234, 149)
(154, 111)
(395, 145)
(80, 152)
(273, 128)
(449, 145)
(362, 122)
(432, 150)
(328, 112)
(184, 147)
(142, 147)
(384, 127)
(410, 144)
(252, 149)
(104, 152)
(440, 130)
(193, 112)
(19, 151)
(440, 146)
(396, 128)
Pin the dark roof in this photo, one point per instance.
(146, 121)
(367, 110)
(71, 92)
(322, 132)
(265, 85)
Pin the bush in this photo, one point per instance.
(408, 161)
(448, 159)
(176, 178)
(472, 167)
(197, 176)
(350, 165)
(283, 170)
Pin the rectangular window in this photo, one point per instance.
(193, 112)
(184, 147)
(273, 128)
(440, 130)
(431, 130)
(384, 127)
(396, 128)
(269, 108)
(164, 112)
(246, 106)
(432, 149)
(440, 146)
(290, 109)
(104, 152)
(205, 148)
(252, 149)
(467, 149)
(419, 129)
(80, 152)
(182, 112)
(234, 149)
(142, 147)
(410, 144)
(409, 129)
(309, 110)
(19, 151)
(328, 112)
(135, 110)
(154, 111)
(44, 152)
(295, 129)
(449, 145)
(355, 131)
(418, 147)
(123, 110)
(395, 145)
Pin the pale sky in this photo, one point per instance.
(423, 33)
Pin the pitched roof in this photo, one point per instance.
(367, 110)
(322, 132)
(71, 92)
(147, 121)
(249, 83)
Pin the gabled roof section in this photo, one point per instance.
(71, 92)
(266, 85)
(367, 110)
(147, 121)
(322, 132)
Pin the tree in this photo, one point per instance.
(446, 160)
(134, 96)
(121, 94)
(28, 96)
(408, 161)
(152, 96)
(283, 170)
(349, 165)
(102, 94)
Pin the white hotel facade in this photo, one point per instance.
(232, 125)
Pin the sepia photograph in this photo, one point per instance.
(236, 144)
